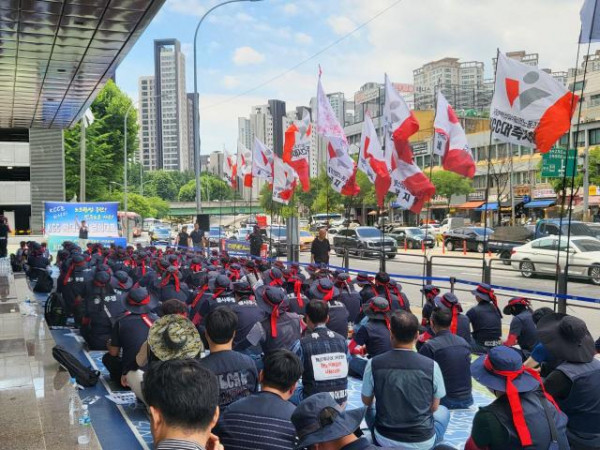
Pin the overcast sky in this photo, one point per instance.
(243, 45)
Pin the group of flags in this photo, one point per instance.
(529, 108)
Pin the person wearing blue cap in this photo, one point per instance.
(523, 414)
(321, 424)
(486, 320)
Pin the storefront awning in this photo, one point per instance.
(491, 206)
(539, 204)
(594, 200)
(469, 205)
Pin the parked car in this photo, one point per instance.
(364, 241)
(160, 235)
(413, 236)
(241, 234)
(595, 227)
(306, 239)
(431, 229)
(474, 237)
(540, 256)
(450, 223)
(276, 238)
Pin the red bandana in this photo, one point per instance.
(218, 291)
(454, 309)
(298, 292)
(490, 293)
(168, 277)
(274, 313)
(328, 292)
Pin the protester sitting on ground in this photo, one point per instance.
(323, 355)
(522, 415)
(322, 424)
(262, 421)
(121, 282)
(20, 257)
(407, 388)
(37, 269)
(182, 399)
(76, 276)
(236, 372)
(540, 359)
(220, 294)
(574, 382)
(325, 290)
(522, 328)
(171, 286)
(349, 296)
(280, 329)
(101, 309)
(430, 292)
(170, 337)
(129, 333)
(248, 313)
(373, 337)
(384, 287)
(460, 325)
(453, 354)
(295, 287)
(486, 320)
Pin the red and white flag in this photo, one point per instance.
(372, 161)
(244, 164)
(529, 107)
(230, 170)
(341, 168)
(284, 181)
(262, 161)
(296, 148)
(450, 141)
(408, 182)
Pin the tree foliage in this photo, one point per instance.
(211, 187)
(104, 144)
(144, 206)
(448, 184)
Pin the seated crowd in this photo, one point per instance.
(239, 353)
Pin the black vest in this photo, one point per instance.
(582, 406)
(248, 313)
(288, 332)
(103, 307)
(453, 355)
(536, 420)
(351, 301)
(403, 382)
(325, 364)
(528, 336)
(379, 338)
(294, 306)
(486, 322)
(338, 318)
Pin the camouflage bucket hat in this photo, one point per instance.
(174, 337)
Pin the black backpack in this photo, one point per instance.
(85, 376)
(44, 282)
(54, 311)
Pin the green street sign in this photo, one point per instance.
(555, 161)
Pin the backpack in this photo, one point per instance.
(44, 282)
(54, 311)
(85, 376)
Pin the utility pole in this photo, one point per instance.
(82, 161)
(586, 183)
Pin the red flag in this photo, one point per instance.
(372, 161)
(296, 149)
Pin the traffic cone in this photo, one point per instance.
(464, 248)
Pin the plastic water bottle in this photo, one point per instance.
(73, 402)
(85, 425)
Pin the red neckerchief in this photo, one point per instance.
(490, 293)
(274, 281)
(166, 279)
(143, 264)
(298, 291)
(515, 401)
(195, 267)
(385, 311)
(398, 294)
(328, 292)
(123, 285)
(234, 274)
(70, 271)
(293, 271)
(199, 295)
(454, 308)
(274, 313)
(218, 291)
(388, 294)
(146, 320)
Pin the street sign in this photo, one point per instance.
(555, 161)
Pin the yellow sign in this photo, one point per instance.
(594, 190)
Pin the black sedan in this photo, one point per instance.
(475, 238)
(414, 237)
(364, 242)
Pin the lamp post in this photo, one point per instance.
(196, 121)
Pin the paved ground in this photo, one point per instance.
(469, 268)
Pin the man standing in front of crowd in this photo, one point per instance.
(256, 241)
(407, 388)
(196, 237)
(320, 248)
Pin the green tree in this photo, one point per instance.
(104, 144)
(211, 186)
(163, 185)
(448, 184)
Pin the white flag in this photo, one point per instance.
(230, 170)
(244, 164)
(284, 181)
(262, 161)
(372, 161)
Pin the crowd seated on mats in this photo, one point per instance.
(243, 353)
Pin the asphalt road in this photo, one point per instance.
(469, 268)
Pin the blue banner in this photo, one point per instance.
(237, 248)
(65, 218)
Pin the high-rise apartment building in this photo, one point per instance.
(461, 83)
(190, 128)
(245, 132)
(338, 104)
(277, 112)
(172, 150)
(147, 121)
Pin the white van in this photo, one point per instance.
(450, 223)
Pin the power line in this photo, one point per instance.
(313, 56)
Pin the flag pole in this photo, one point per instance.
(382, 265)
(557, 285)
